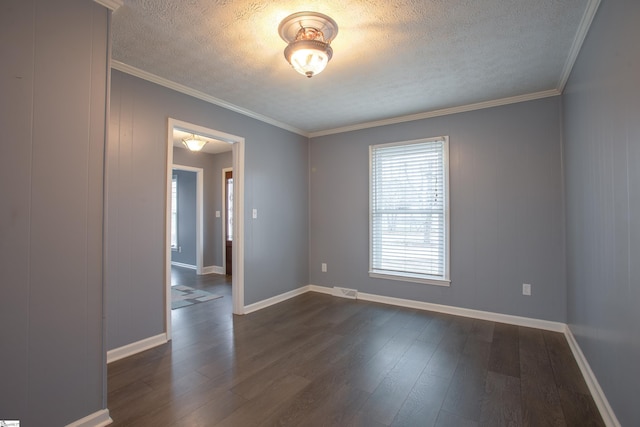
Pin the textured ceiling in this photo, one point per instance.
(391, 58)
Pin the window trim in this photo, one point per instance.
(407, 276)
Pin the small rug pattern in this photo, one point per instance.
(184, 296)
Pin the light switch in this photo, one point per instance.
(217, 214)
(255, 214)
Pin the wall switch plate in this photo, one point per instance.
(526, 289)
(217, 214)
(254, 214)
(324, 267)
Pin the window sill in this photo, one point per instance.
(408, 277)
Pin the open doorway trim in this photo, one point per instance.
(199, 212)
(237, 287)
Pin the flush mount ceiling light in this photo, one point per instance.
(309, 35)
(194, 143)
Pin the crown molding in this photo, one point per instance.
(581, 35)
(128, 69)
(125, 68)
(113, 5)
(442, 112)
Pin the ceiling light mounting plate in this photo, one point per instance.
(291, 25)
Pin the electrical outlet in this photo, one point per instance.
(324, 267)
(526, 289)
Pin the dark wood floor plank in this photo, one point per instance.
(253, 412)
(540, 399)
(341, 409)
(156, 413)
(477, 352)
(482, 330)
(577, 403)
(422, 406)
(467, 391)
(320, 360)
(580, 409)
(390, 395)
(368, 376)
(502, 405)
(437, 328)
(318, 393)
(260, 381)
(362, 419)
(214, 411)
(505, 356)
(413, 320)
(451, 343)
(565, 369)
(336, 355)
(447, 419)
(338, 310)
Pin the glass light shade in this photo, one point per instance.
(309, 62)
(308, 57)
(194, 144)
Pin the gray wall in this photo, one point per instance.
(186, 252)
(602, 154)
(212, 165)
(276, 184)
(52, 116)
(506, 210)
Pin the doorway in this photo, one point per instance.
(227, 194)
(187, 226)
(237, 229)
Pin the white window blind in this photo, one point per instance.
(409, 208)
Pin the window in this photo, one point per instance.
(174, 212)
(409, 211)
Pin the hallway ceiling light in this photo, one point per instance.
(308, 35)
(194, 143)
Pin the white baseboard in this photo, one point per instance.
(181, 264)
(321, 289)
(213, 269)
(467, 312)
(457, 311)
(275, 300)
(136, 347)
(608, 416)
(97, 419)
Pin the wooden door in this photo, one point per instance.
(228, 226)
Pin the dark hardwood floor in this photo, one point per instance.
(318, 360)
(214, 283)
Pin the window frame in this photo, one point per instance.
(405, 275)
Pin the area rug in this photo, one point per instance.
(184, 296)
